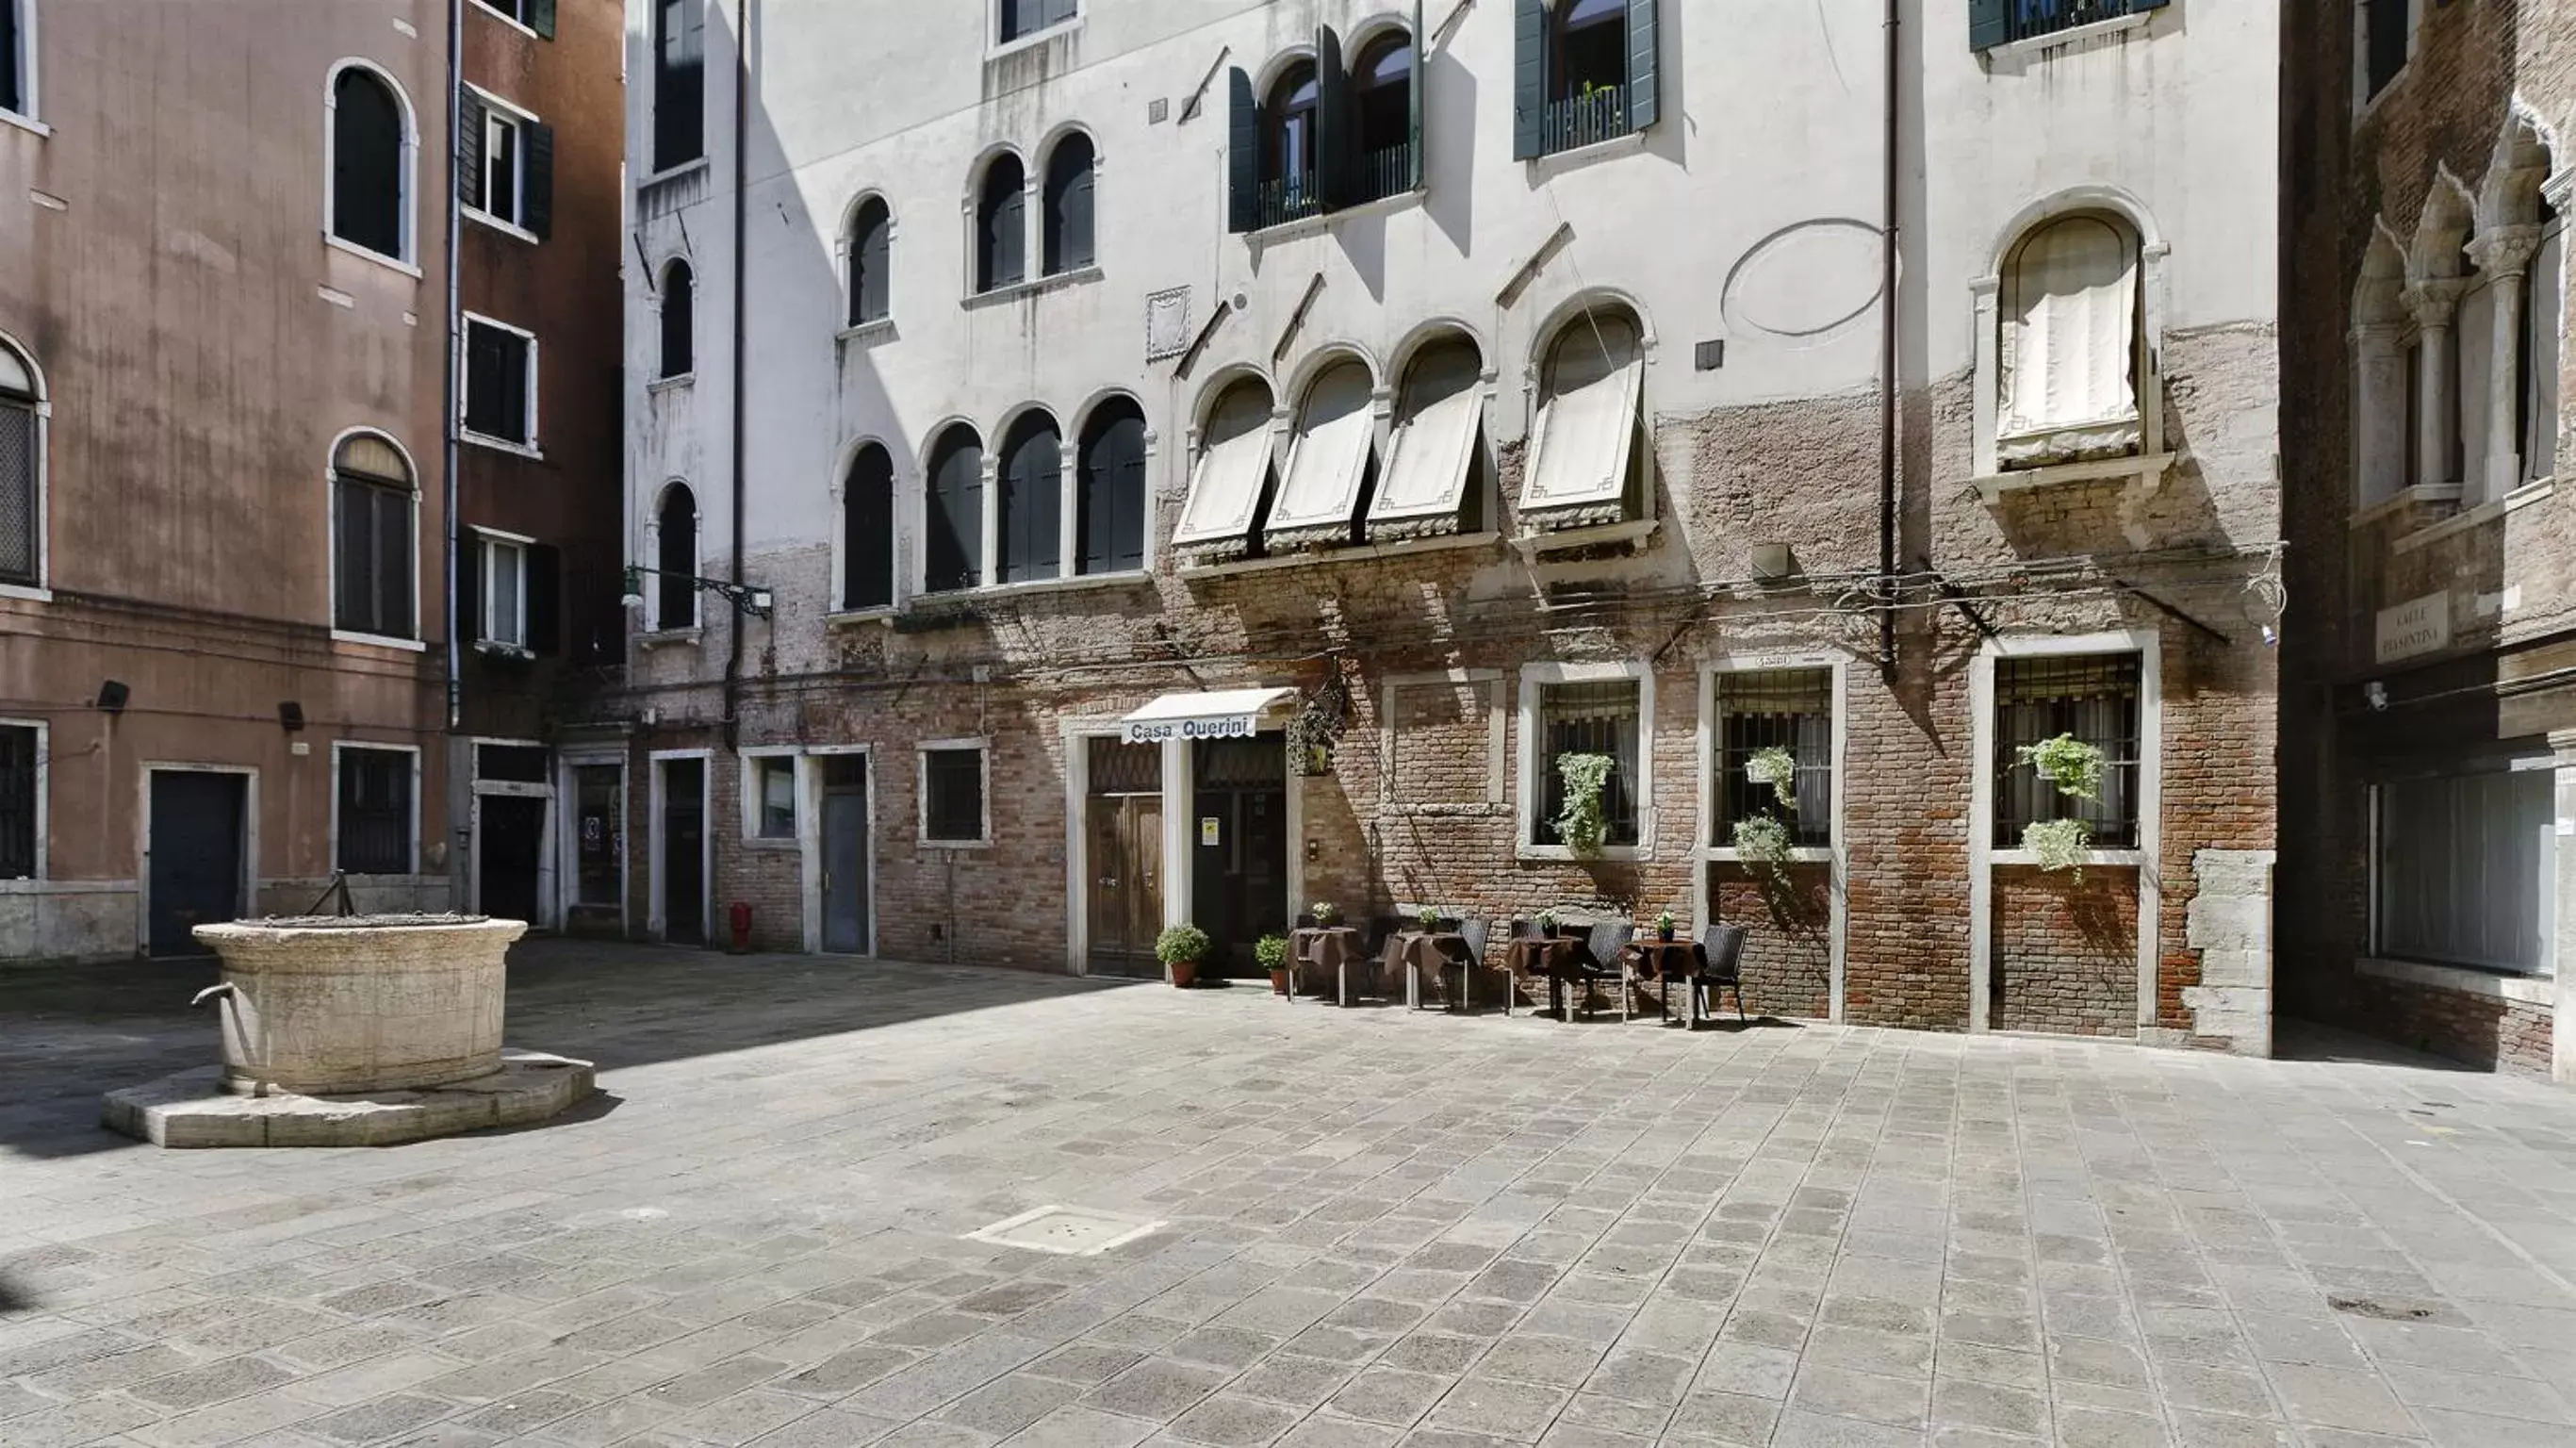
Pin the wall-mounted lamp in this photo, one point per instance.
(290, 716)
(756, 602)
(112, 696)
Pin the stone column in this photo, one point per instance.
(2379, 434)
(2562, 1033)
(2504, 255)
(2435, 305)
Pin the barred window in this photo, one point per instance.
(1790, 709)
(375, 811)
(1600, 718)
(18, 484)
(17, 802)
(2093, 697)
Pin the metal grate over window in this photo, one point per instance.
(17, 491)
(953, 801)
(2093, 697)
(1589, 719)
(17, 802)
(1118, 767)
(375, 811)
(1790, 709)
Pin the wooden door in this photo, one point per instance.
(1126, 859)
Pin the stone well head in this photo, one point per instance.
(340, 1004)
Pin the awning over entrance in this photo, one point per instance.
(1215, 714)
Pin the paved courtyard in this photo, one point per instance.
(1378, 1228)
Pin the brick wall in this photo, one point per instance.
(2065, 951)
(2478, 1030)
(1788, 960)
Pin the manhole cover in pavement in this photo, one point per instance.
(1066, 1231)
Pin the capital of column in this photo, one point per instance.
(2434, 302)
(2506, 250)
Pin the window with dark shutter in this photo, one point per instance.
(679, 320)
(676, 560)
(372, 555)
(1243, 153)
(375, 811)
(1109, 517)
(21, 519)
(540, 17)
(1032, 500)
(18, 765)
(867, 530)
(1068, 205)
(1001, 225)
(367, 162)
(545, 598)
(498, 370)
(871, 257)
(537, 179)
(679, 82)
(952, 787)
(956, 513)
(13, 61)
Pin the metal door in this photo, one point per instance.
(845, 855)
(196, 849)
(507, 851)
(684, 846)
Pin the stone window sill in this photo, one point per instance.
(26, 593)
(378, 641)
(1635, 530)
(866, 334)
(1358, 553)
(2039, 44)
(1016, 290)
(668, 637)
(26, 123)
(364, 253)
(671, 384)
(2477, 517)
(2404, 498)
(2103, 859)
(853, 617)
(2532, 990)
(1798, 855)
(2148, 468)
(1584, 155)
(1323, 221)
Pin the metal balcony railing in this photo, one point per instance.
(2034, 18)
(1599, 114)
(1290, 198)
(1387, 172)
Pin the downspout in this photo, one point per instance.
(1887, 380)
(741, 213)
(455, 361)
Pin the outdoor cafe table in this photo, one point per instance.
(1536, 955)
(1669, 963)
(1327, 948)
(1415, 951)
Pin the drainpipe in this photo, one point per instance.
(455, 362)
(741, 211)
(1887, 380)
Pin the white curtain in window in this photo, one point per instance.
(2070, 326)
(1430, 456)
(2473, 352)
(1579, 452)
(1326, 460)
(2466, 869)
(1233, 467)
(2540, 314)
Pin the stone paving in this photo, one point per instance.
(1380, 1228)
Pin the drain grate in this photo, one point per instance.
(2365, 1307)
(1065, 1231)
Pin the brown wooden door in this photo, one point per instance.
(1126, 878)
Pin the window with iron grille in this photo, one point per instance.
(1790, 709)
(952, 795)
(18, 489)
(2093, 697)
(17, 802)
(375, 811)
(1600, 718)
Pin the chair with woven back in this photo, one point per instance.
(1720, 967)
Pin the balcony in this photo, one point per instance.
(1598, 114)
(2037, 19)
(1384, 173)
(1290, 198)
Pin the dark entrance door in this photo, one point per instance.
(1125, 857)
(845, 854)
(1239, 885)
(196, 847)
(507, 854)
(684, 851)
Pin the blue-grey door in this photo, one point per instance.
(196, 846)
(845, 854)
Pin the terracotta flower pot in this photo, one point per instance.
(1185, 973)
(1279, 982)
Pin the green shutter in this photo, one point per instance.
(541, 17)
(545, 598)
(1336, 125)
(469, 589)
(469, 148)
(1644, 40)
(1413, 93)
(1242, 154)
(1987, 23)
(537, 177)
(1529, 78)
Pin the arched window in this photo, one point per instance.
(1032, 501)
(1068, 205)
(1588, 455)
(1332, 460)
(372, 555)
(679, 320)
(871, 256)
(1001, 225)
(2070, 369)
(867, 530)
(368, 188)
(21, 481)
(1109, 514)
(2536, 350)
(1289, 185)
(1230, 484)
(1435, 451)
(17, 62)
(675, 559)
(954, 550)
(1382, 90)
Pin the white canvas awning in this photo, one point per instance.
(1430, 457)
(1233, 468)
(1578, 468)
(2070, 336)
(1326, 461)
(1213, 714)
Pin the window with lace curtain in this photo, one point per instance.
(1589, 718)
(1790, 709)
(2093, 697)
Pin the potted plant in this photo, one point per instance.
(2059, 844)
(1763, 843)
(2075, 767)
(1664, 926)
(1547, 924)
(1270, 952)
(1581, 824)
(1428, 917)
(1326, 913)
(1180, 950)
(1778, 768)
